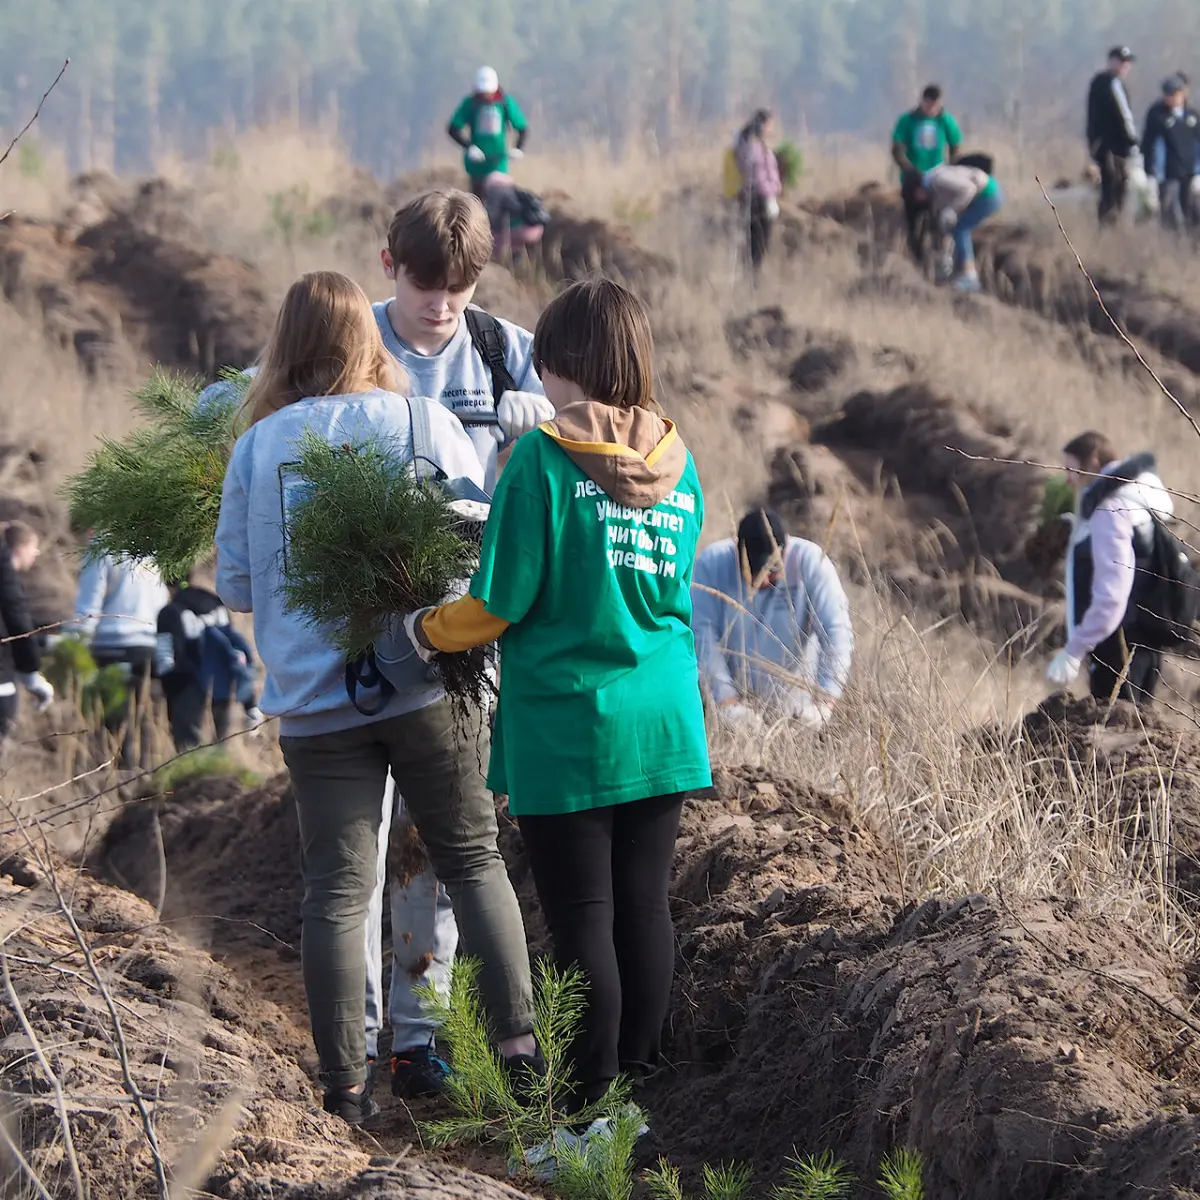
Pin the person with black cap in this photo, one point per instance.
(1111, 132)
(1171, 149)
(772, 625)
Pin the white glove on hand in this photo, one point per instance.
(519, 412)
(253, 721)
(739, 717)
(947, 219)
(40, 688)
(1063, 668)
(410, 627)
(475, 155)
(515, 153)
(802, 706)
(1194, 187)
(772, 207)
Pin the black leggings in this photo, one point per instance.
(602, 877)
(1108, 665)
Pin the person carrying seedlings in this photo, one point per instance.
(924, 137)
(584, 576)
(20, 651)
(1121, 507)
(1171, 150)
(116, 613)
(478, 366)
(962, 198)
(327, 374)
(203, 663)
(772, 626)
(761, 185)
(518, 218)
(480, 125)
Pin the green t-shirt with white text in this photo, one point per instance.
(927, 140)
(489, 123)
(599, 693)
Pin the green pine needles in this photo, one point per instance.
(156, 493)
(902, 1177)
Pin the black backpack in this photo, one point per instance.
(1165, 599)
(487, 336)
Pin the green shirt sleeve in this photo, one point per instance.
(953, 133)
(516, 118)
(903, 131)
(463, 113)
(512, 560)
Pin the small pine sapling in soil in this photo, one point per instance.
(663, 1181)
(901, 1176)
(602, 1167)
(156, 494)
(366, 540)
(727, 1181)
(814, 1177)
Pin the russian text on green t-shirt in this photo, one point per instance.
(599, 694)
(925, 139)
(489, 122)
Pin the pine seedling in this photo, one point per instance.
(602, 1167)
(663, 1182)
(727, 1181)
(901, 1176)
(814, 1177)
(156, 494)
(1058, 499)
(791, 164)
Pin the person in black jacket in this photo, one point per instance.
(202, 662)
(21, 659)
(1111, 133)
(1171, 149)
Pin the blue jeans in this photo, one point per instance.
(983, 206)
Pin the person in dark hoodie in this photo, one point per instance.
(1171, 149)
(584, 576)
(1111, 132)
(1119, 500)
(20, 651)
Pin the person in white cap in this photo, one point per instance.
(480, 125)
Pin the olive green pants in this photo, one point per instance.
(337, 781)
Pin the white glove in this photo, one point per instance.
(802, 706)
(947, 219)
(475, 155)
(1063, 668)
(1153, 195)
(1137, 176)
(519, 412)
(40, 688)
(515, 153)
(1194, 187)
(410, 627)
(772, 207)
(739, 717)
(254, 721)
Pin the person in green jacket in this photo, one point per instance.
(480, 125)
(924, 138)
(585, 575)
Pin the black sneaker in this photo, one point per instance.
(355, 1108)
(417, 1071)
(524, 1071)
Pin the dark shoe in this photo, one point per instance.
(355, 1108)
(418, 1072)
(524, 1071)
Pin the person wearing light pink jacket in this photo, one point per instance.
(761, 184)
(1119, 500)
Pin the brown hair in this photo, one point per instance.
(1091, 450)
(325, 343)
(441, 239)
(597, 335)
(18, 534)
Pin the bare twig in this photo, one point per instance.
(29, 124)
(60, 1102)
(1166, 391)
(21, 1162)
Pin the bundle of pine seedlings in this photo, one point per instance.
(156, 494)
(366, 541)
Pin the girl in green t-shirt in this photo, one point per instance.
(585, 575)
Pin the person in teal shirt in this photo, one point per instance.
(924, 138)
(585, 576)
(480, 125)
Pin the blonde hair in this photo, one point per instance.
(596, 334)
(325, 343)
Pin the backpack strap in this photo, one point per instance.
(424, 464)
(487, 336)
